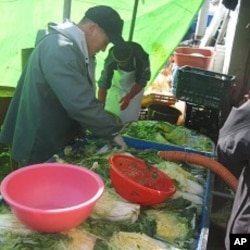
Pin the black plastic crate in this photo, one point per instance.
(202, 87)
(205, 121)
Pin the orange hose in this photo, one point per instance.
(203, 161)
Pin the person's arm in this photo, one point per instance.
(143, 72)
(246, 97)
(105, 81)
(102, 94)
(233, 145)
(124, 102)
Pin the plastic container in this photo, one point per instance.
(161, 112)
(143, 144)
(203, 87)
(195, 57)
(158, 99)
(138, 182)
(52, 197)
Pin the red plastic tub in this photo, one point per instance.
(194, 57)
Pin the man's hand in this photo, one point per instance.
(246, 97)
(125, 101)
(120, 142)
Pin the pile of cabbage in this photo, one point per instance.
(166, 133)
(116, 223)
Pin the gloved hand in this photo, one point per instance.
(125, 101)
(120, 142)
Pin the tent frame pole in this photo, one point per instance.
(66, 9)
(131, 32)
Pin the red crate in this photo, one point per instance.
(194, 57)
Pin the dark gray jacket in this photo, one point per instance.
(233, 149)
(55, 99)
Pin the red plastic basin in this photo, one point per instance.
(52, 197)
(195, 57)
(139, 182)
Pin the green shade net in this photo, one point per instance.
(159, 27)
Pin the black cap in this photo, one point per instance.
(109, 20)
(122, 53)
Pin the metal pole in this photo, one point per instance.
(202, 20)
(66, 9)
(133, 20)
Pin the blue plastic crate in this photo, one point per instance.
(143, 144)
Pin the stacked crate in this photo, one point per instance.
(207, 95)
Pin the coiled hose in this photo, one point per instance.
(203, 161)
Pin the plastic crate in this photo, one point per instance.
(158, 99)
(143, 144)
(195, 57)
(203, 87)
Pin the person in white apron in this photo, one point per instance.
(123, 79)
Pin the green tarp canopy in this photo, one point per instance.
(159, 27)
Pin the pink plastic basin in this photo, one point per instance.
(52, 197)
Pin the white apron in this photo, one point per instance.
(122, 83)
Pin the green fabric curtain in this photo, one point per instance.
(159, 27)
